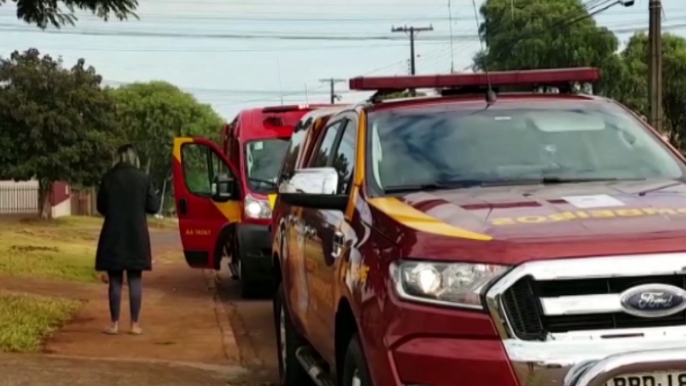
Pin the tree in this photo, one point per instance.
(153, 113)
(48, 12)
(534, 34)
(57, 123)
(634, 82)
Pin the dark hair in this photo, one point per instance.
(126, 153)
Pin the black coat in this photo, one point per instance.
(126, 195)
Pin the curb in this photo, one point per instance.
(229, 343)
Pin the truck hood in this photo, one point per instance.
(561, 220)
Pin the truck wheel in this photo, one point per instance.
(291, 372)
(355, 371)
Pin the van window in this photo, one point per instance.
(262, 163)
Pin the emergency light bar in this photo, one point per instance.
(289, 108)
(501, 78)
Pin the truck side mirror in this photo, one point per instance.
(224, 188)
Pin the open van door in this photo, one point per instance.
(208, 198)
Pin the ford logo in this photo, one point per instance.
(653, 300)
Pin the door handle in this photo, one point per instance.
(337, 244)
(183, 206)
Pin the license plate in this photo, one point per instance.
(650, 379)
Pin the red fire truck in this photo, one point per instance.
(233, 223)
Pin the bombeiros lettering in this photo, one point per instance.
(588, 214)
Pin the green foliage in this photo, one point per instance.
(49, 12)
(634, 81)
(153, 113)
(543, 34)
(57, 123)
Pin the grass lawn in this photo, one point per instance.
(27, 320)
(61, 249)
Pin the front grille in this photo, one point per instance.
(524, 311)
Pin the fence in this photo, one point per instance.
(83, 202)
(18, 200)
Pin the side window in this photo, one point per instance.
(344, 160)
(324, 150)
(291, 157)
(201, 166)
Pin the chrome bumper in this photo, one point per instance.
(590, 357)
(597, 373)
(570, 363)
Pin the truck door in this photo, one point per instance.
(322, 227)
(207, 196)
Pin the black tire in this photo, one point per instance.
(292, 374)
(355, 364)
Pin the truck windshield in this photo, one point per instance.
(263, 161)
(512, 143)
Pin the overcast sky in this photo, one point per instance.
(235, 54)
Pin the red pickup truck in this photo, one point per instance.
(499, 234)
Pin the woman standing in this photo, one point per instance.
(125, 197)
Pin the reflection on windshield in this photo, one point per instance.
(263, 162)
(548, 143)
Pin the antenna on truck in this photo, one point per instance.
(490, 94)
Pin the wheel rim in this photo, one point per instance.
(282, 337)
(357, 381)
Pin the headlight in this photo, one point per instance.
(452, 284)
(255, 208)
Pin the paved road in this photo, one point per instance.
(253, 325)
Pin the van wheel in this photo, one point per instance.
(291, 372)
(355, 371)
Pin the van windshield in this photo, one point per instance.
(263, 161)
(512, 143)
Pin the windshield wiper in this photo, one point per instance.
(272, 183)
(560, 180)
(432, 186)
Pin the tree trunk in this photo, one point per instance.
(44, 204)
(164, 191)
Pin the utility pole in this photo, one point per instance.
(655, 65)
(452, 48)
(412, 31)
(332, 82)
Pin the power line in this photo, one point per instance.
(273, 35)
(195, 49)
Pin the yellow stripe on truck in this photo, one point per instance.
(420, 221)
(178, 143)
